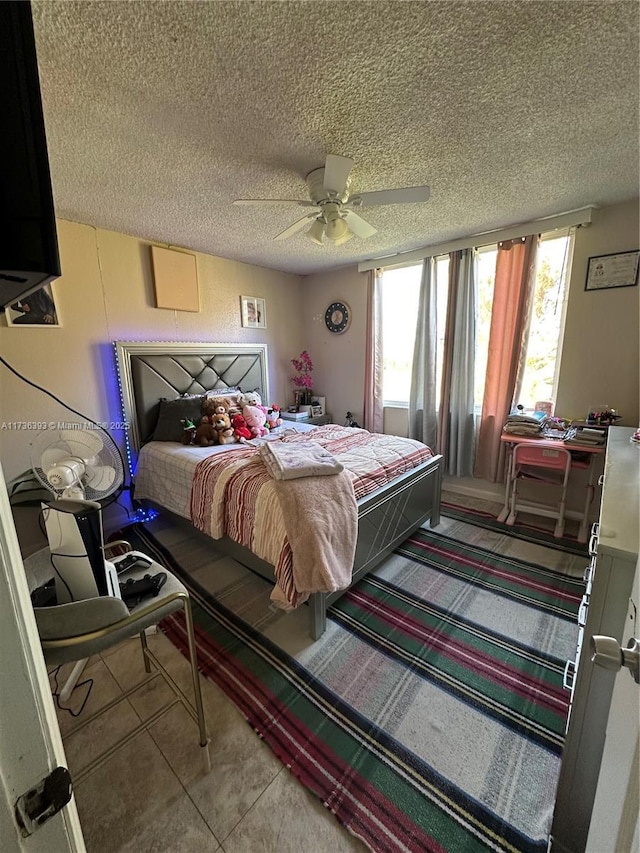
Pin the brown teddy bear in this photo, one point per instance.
(205, 435)
(212, 406)
(222, 425)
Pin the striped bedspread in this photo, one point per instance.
(233, 494)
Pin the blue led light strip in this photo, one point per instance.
(126, 432)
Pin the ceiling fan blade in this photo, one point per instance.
(406, 195)
(259, 202)
(297, 226)
(336, 173)
(359, 226)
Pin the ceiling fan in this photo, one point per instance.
(333, 212)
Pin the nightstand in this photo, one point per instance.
(318, 420)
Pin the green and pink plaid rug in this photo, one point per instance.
(525, 528)
(431, 714)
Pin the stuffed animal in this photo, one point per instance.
(251, 398)
(240, 428)
(256, 420)
(222, 426)
(205, 435)
(188, 431)
(212, 406)
(273, 417)
(235, 408)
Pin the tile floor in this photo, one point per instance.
(153, 795)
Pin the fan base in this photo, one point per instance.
(317, 192)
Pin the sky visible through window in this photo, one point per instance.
(400, 293)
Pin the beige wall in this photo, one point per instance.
(338, 359)
(106, 294)
(599, 360)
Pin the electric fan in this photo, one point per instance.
(77, 463)
(81, 467)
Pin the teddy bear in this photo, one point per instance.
(222, 425)
(240, 428)
(205, 435)
(212, 406)
(256, 420)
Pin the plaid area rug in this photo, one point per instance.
(520, 530)
(430, 715)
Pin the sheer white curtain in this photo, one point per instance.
(373, 403)
(460, 365)
(422, 399)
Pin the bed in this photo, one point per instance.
(152, 371)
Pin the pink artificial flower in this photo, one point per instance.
(304, 366)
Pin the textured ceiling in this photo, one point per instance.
(159, 114)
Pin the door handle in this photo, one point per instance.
(607, 653)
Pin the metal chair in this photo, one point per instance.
(549, 466)
(79, 629)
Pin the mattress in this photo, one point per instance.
(165, 470)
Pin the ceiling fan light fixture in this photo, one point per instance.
(316, 232)
(338, 231)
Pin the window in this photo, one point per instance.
(487, 257)
(400, 294)
(539, 377)
(400, 298)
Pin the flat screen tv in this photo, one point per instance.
(28, 242)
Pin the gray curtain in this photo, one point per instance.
(422, 399)
(460, 369)
(373, 408)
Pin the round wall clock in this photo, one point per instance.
(337, 317)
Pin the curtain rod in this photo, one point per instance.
(538, 226)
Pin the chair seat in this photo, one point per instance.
(80, 621)
(74, 631)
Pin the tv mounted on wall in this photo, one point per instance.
(28, 242)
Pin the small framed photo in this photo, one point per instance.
(616, 270)
(318, 405)
(254, 312)
(37, 309)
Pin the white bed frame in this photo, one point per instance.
(151, 370)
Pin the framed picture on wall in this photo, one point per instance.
(616, 270)
(37, 309)
(253, 312)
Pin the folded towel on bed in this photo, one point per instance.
(302, 459)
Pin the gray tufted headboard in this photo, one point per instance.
(149, 371)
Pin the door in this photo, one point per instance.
(30, 742)
(614, 820)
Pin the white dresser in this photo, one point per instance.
(608, 584)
